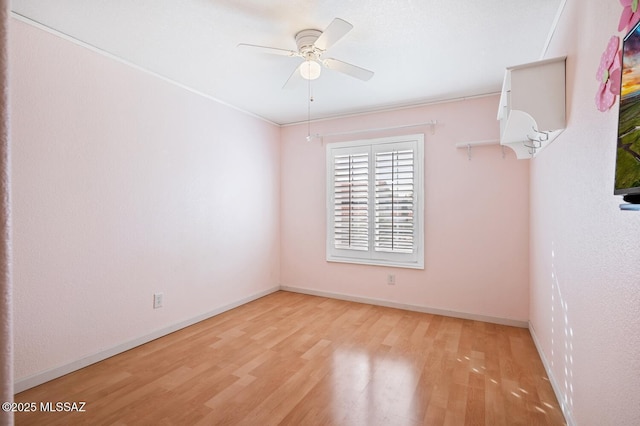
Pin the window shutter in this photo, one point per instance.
(351, 201)
(375, 206)
(394, 201)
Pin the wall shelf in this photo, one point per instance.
(478, 143)
(532, 106)
(469, 145)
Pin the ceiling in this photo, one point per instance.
(421, 50)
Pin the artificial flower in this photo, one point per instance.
(609, 75)
(630, 15)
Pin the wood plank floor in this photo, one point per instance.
(293, 359)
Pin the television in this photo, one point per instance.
(627, 177)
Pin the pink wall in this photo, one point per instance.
(585, 264)
(6, 305)
(476, 216)
(125, 185)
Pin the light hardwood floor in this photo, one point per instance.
(294, 359)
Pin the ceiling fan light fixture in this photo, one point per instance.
(310, 70)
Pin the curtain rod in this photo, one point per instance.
(431, 123)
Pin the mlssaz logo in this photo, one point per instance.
(63, 406)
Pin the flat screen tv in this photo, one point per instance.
(627, 178)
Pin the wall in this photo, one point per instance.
(6, 305)
(585, 269)
(125, 185)
(476, 216)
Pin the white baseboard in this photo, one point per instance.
(554, 383)
(54, 373)
(415, 308)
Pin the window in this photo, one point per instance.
(375, 201)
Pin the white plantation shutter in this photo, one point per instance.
(351, 201)
(374, 202)
(394, 203)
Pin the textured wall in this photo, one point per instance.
(585, 269)
(6, 324)
(476, 215)
(127, 185)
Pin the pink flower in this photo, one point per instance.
(609, 75)
(630, 16)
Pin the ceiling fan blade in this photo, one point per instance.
(349, 69)
(294, 79)
(337, 29)
(271, 50)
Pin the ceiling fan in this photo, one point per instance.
(312, 45)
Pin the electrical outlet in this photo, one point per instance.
(391, 279)
(157, 300)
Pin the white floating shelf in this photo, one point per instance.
(532, 106)
(478, 143)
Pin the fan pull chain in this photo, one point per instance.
(310, 98)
